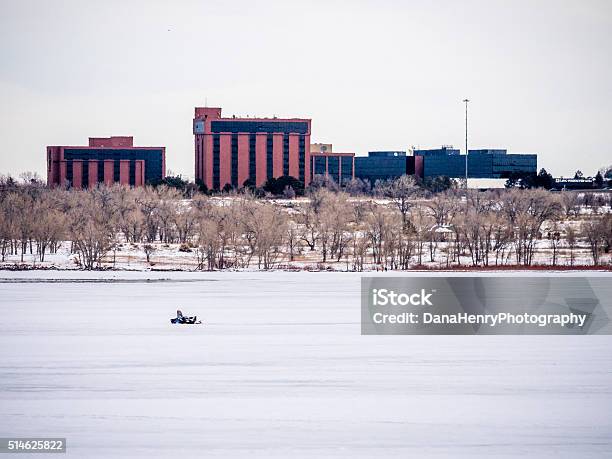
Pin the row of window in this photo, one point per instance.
(153, 158)
(284, 127)
(333, 168)
(100, 172)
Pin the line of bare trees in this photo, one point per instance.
(400, 229)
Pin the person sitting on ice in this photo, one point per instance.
(181, 319)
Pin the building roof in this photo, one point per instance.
(215, 113)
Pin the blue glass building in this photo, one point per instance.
(483, 163)
(381, 165)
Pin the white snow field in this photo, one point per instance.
(280, 370)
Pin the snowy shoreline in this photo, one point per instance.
(123, 276)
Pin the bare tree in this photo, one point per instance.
(421, 223)
(554, 237)
(571, 203)
(592, 232)
(444, 207)
(149, 203)
(335, 213)
(207, 246)
(185, 222)
(49, 226)
(292, 239)
(90, 227)
(357, 187)
(377, 223)
(148, 250)
(168, 208)
(270, 230)
(606, 230)
(402, 192)
(571, 236)
(527, 211)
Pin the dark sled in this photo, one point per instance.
(186, 320)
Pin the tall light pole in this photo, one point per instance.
(466, 142)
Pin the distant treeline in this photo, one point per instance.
(404, 225)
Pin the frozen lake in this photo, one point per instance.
(280, 370)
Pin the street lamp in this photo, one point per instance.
(466, 142)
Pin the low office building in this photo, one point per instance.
(232, 151)
(482, 163)
(387, 165)
(445, 161)
(105, 160)
(584, 183)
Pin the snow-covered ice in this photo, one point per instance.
(280, 370)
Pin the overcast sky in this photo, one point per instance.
(372, 75)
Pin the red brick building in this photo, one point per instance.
(105, 160)
(234, 150)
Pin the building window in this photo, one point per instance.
(132, 172)
(319, 165)
(347, 168)
(252, 157)
(216, 160)
(116, 170)
(269, 156)
(333, 168)
(302, 155)
(234, 148)
(286, 154)
(85, 175)
(100, 171)
(69, 177)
